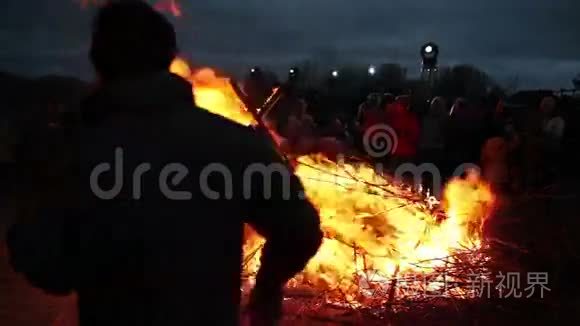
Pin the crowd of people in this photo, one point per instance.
(513, 155)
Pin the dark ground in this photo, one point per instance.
(21, 304)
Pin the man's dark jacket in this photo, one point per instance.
(141, 258)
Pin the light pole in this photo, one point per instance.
(429, 63)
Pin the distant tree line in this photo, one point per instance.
(339, 90)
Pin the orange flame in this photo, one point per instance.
(369, 223)
(181, 68)
(213, 93)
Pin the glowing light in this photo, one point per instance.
(428, 49)
(372, 70)
(334, 73)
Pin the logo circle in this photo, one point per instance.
(380, 140)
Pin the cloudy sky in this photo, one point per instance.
(537, 41)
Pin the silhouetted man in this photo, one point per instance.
(156, 238)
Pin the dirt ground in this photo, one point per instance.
(21, 304)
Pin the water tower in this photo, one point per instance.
(429, 64)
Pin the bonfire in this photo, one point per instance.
(384, 243)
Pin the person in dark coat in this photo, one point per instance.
(153, 234)
(465, 133)
(432, 140)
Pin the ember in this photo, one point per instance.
(376, 232)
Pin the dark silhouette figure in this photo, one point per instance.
(157, 238)
(257, 87)
(465, 130)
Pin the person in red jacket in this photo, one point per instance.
(407, 129)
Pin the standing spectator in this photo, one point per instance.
(543, 140)
(387, 100)
(496, 158)
(290, 105)
(532, 147)
(300, 132)
(407, 129)
(553, 128)
(432, 141)
(465, 134)
(257, 87)
(370, 113)
(553, 125)
(304, 136)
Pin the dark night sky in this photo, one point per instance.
(537, 40)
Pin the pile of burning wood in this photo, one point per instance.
(385, 245)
